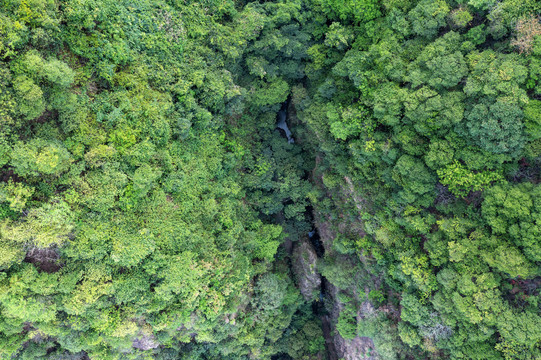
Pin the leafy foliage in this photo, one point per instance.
(150, 208)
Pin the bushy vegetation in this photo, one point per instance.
(149, 205)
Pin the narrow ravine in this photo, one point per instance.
(318, 306)
(309, 250)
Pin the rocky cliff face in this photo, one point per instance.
(305, 269)
(358, 348)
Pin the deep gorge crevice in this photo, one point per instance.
(315, 244)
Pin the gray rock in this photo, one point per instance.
(305, 269)
(145, 342)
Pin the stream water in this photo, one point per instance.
(282, 122)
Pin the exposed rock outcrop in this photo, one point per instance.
(305, 269)
(358, 348)
(145, 342)
(45, 259)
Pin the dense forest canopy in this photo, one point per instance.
(153, 207)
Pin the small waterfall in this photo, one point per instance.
(282, 124)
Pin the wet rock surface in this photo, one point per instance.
(281, 123)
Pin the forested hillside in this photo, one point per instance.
(274, 180)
